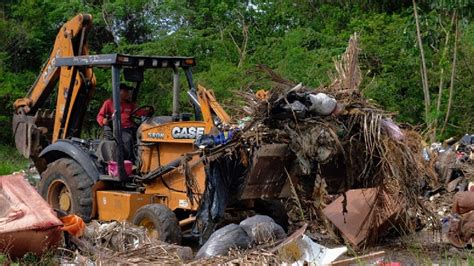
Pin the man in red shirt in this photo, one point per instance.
(104, 118)
(126, 105)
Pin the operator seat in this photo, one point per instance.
(107, 150)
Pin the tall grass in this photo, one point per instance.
(11, 160)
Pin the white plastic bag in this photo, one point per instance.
(322, 104)
(262, 229)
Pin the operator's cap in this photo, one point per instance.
(124, 86)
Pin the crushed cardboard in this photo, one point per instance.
(360, 208)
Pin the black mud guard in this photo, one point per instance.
(66, 148)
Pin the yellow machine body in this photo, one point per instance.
(121, 205)
(159, 145)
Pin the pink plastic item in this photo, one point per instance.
(393, 129)
(112, 168)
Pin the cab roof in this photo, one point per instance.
(131, 61)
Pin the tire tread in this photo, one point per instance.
(77, 180)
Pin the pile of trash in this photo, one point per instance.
(334, 141)
(452, 197)
(453, 161)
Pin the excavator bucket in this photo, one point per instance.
(267, 175)
(30, 131)
(23, 131)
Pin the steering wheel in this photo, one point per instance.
(150, 110)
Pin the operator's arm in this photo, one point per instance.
(105, 113)
(141, 112)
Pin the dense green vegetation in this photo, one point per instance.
(11, 160)
(299, 39)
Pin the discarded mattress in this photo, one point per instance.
(27, 223)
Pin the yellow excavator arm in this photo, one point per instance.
(32, 124)
(208, 103)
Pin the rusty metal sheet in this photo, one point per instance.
(268, 175)
(354, 224)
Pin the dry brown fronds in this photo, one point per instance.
(259, 255)
(124, 243)
(347, 78)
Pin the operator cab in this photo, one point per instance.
(154, 132)
(136, 75)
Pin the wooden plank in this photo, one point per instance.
(368, 258)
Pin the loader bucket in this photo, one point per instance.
(267, 174)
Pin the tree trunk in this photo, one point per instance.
(453, 75)
(441, 78)
(424, 76)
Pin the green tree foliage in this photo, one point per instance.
(298, 38)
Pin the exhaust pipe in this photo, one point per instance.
(175, 114)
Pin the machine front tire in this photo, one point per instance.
(160, 221)
(66, 187)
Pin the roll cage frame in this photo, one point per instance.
(117, 62)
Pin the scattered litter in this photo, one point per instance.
(454, 162)
(73, 224)
(305, 251)
(299, 249)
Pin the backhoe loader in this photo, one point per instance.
(75, 176)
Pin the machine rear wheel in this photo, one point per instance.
(66, 187)
(160, 222)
